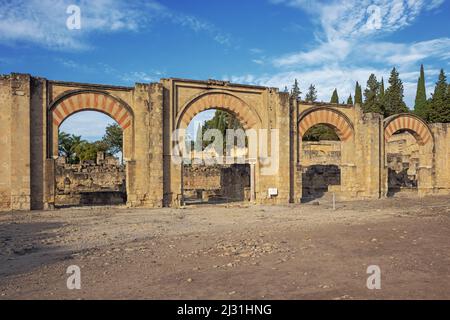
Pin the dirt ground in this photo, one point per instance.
(230, 252)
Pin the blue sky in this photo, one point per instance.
(264, 42)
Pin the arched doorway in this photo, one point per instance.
(325, 141)
(242, 172)
(409, 155)
(206, 178)
(90, 171)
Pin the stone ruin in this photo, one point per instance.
(218, 183)
(90, 183)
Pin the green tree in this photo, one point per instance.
(372, 96)
(335, 97)
(393, 97)
(350, 99)
(381, 91)
(88, 150)
(113, 139)
(221, 121)
(420, 104)
(358, 94)
(311, 95)
(439, 108)
(295, 91)
(320, 132)
(66, 146)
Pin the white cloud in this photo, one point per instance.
(140, 76)
(347, 47)
(327, 78)
(43, 22)
(405, 54)
(348, 26)
(336, 50)
(353, 18)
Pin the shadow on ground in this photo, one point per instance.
(25, 246)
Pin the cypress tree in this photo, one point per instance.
(372, 95)
(420, 105)
(295, 92)
(350, 99)
(448, 95)
(381, 93)
(311, 95)
(335, 97)
(393, 97)
(358, 94)
(439, 109)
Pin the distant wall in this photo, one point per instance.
(230, 182)
(321, 152)
(89, 183)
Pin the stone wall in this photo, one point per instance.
(319, 179)
(32, 108)
(321, 152)
(90, 183)
(214, 183)
(320, 168)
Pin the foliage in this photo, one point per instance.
(113, 139)
(88, 150)
(420, 105)
(350, 99)
(372, 96)
(295, 91)
(320, 132)
(221, 121)
(67, 145)
(311, 95)
(392, 102)
(358, 94)
(334, 97)
(439, 104)
(75, 149)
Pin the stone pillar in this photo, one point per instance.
(348, 181)
(5, 143)
(20, 142)
(425, 181)
(374, 131)
(49, 184)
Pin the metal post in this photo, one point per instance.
(252, 180)
(334, 201)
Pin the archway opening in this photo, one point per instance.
(215, 168)
(403, 160)
(90, 168)
(320, 160)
